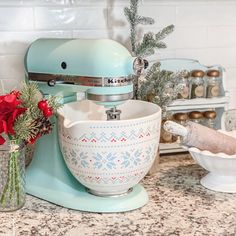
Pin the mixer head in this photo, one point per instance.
(98, 67)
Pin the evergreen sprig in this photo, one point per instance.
(32, 123)
(148, 45)
(149, 42)
(25, 127)
(54, 102)
(159, 86)
(162, 34)
(30, 97)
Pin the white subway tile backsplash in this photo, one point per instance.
(116, 18)
(187, 37)
(232, 102)
(221, 36)
(16, 18)
(121, 36)
(12, 66)
(111, 2)
(163, 16)
(50, 2)
(231, 78)
(35, 2)
(9, 84)
(90, 3)
(16, 2)
(219, 14)
(90, 34)
(161, 54)
(18, 42)
(106, 3)
(210, 56)
(70, 18)
(1, 88)
(63, 2)
(186, 2)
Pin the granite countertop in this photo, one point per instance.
(178, 205)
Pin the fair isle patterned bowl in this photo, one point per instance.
(109, 157)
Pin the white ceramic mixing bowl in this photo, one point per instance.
(221, 167)
(109, 157)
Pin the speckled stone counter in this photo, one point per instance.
(178, 205)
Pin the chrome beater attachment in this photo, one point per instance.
(113, 114)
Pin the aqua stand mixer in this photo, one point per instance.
(66, 67)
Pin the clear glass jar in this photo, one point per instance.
(166, 137)
(197, 84)
(213, 84)
(196, 116)
(182, 119)
(184, 85)
(210, 117)
(29, 152)
(12, 176)
(169, 88)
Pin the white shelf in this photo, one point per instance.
(198, 103)
(170, 148)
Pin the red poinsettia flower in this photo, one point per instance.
(9, 111)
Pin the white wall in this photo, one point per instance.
(205, 30)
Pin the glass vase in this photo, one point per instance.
(12, 176)
(29, 152)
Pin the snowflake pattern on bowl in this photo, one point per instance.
(111, 157)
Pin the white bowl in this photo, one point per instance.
(109, 157)
(221, 167)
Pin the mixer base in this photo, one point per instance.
(80, 199)
(102, 194)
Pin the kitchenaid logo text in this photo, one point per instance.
(118, 81)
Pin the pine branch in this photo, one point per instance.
(130, 14)
(144, 20)
(33, 123)
(54, 102)
(156, 86)
(164, 32)
(154, 68)
(148, 45)
(145, 47)
(25, 127)
(134, 19)
(161, 45)
(29, 94)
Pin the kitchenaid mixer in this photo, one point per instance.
(66, 67)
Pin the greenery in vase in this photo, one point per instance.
(24, 117)
(12, 193)
(149, 42)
